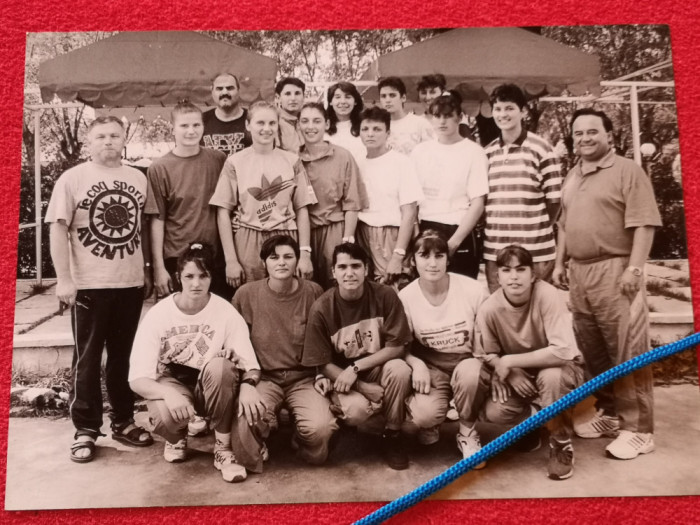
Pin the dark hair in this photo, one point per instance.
(182, 108)
(350, 89)
(107, 119)
(429, 81)
(201, 254)
(607, 123)
(450, 102)
(508, 93)
(260, 104)
(271, 243)
(353, 250)
(504, 256)
(226, 74)
(289, 80)
(376, 114)
(429, 241)
(392, 82)
(317, 106)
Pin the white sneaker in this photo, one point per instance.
(470, 445)
(629, 445)
(225, 461)
(452, 414)
(175, 452)
(598, 425)
(428, 436)
(196, 426)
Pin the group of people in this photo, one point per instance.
(301, 254)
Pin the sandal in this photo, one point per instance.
(81, 444)
(134, 437)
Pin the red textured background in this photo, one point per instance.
(20, 16)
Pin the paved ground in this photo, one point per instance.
(40, 475)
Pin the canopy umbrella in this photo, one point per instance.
(476, 60)
(153, 68)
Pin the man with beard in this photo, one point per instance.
(224, 125)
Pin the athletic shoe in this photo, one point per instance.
(469, 445)
(196, 426)
(225, 461)
(429, 436)
(629, 445)
(561, 459)
(175, 452)
(265, 452)
(599, 425)
(394, 450)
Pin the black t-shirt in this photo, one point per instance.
(229, 137)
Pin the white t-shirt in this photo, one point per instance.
(449, 327)
(167, 335)
(345, 139)
(450, 175)
(391, 182)
(409, 131)
(102, 208)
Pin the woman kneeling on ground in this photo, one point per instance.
(192, 354)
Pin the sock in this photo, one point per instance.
(223, 441)
(465, 429)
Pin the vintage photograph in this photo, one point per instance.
(324, 266)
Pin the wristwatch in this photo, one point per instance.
(355, 368)
(249, 381)
(636, 270)
(399, 251)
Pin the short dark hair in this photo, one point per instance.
(607, 123)
(377, 114)
(523, 256)
(271, 243)
(429, 81)
(446, 104)
(508, 93)
(317, 106)
(353, 250)
(107, 119)
(289, 80)
(182, 108)
(201, 254)
(350, 89)
(226, 74)
(392, 82)
(430, 241)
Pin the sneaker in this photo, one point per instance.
(599, 425)
(469, 445)
(561, 459)
(225, 461)
(428, 436)
(175, 452)
(197, 425)
(265, 452)
(629, 445)
(394, 450)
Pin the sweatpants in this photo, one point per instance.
(103, 318)
(611, 329)
(379, 243)
(324, 239)
(248, 243)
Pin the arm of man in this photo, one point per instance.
(305, 268)
(161, 277)
(66, 290)
(147, 258)
(641, 246)
(409, 213)
(467, 224)
(181, 409)
(559, 278)
(350, 223)
(235, 276)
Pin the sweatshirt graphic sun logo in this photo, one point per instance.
(266, 193)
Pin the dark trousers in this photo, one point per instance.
(103, 318)
(218, 279)
(466, 259)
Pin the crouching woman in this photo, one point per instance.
(191, 354)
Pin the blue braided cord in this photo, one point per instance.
(514, 434)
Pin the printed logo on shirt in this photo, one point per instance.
(186, 345)
(228, 143)
(446, 339)
(113, 220)
(265, 195)
(359, 339)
